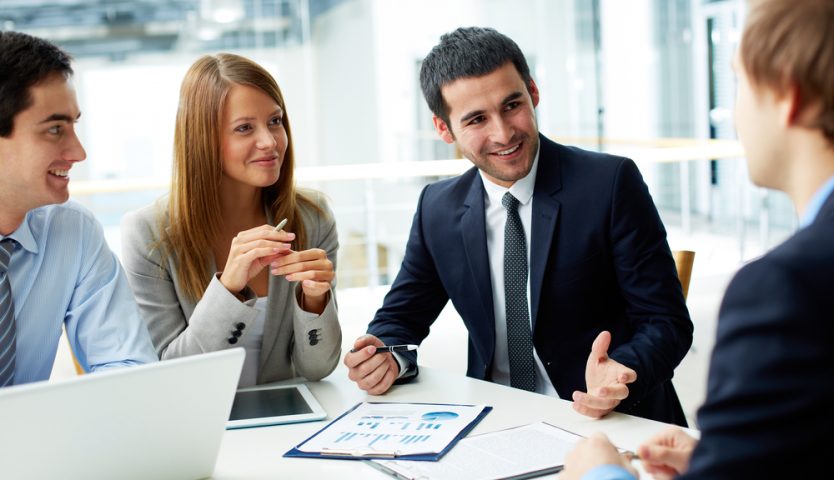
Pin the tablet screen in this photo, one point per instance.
(277, 402)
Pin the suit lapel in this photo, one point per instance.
(544, 218)
(473, 231)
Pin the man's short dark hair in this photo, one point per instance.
(467, 52)
(24, 62)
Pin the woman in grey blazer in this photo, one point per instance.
(233, 180)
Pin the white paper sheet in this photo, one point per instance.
(512, 453)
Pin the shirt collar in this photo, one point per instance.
(23, 235)
(522, 189)
(816, 203)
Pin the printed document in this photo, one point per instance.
(394, 429)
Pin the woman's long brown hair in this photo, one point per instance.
(194, 223)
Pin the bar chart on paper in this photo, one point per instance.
(401, 429)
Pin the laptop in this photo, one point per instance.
(157, 421)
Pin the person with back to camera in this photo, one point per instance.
(232, 186)
(770, 388)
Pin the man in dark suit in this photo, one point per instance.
(771, 381)
(599, 274)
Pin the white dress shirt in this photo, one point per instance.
(496, 218)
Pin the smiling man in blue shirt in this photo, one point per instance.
(55, 266)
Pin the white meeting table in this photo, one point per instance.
(256, 453)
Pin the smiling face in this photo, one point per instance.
(253, 140)
(37, 157)
(492, 118)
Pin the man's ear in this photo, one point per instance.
(790, 105)
(534, 93)
(443, 130)
(796, 111)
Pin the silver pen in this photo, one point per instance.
(280, 225)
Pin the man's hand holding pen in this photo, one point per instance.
(592, 452)
(373, 373)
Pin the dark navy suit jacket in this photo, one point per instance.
(768, 411)
(599, 260)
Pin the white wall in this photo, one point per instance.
(132, 109)
(129, 110)
(346, 90)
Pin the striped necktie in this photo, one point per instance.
(519, 335)
(7, 325)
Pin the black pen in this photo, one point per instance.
(392, 348)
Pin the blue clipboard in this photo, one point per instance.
(428, 457)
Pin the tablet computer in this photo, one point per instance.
(274, 405)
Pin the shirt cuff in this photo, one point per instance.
(608, 472)
(405, 366)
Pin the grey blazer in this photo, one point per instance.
(292, 345)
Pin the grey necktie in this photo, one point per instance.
(519, 337)
(7, 326)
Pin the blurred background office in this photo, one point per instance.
(649, 79)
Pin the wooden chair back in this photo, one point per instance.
(683, 263)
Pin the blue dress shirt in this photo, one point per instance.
(816, 203)
(608, 472)
(62, 272)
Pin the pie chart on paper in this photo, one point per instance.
(439, 416)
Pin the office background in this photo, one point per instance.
(650, 79)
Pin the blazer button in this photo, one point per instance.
(236, 333)
(232, 340)
(240, 325)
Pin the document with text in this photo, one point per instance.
(521, 452)
(421, 431)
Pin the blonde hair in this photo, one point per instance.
(193, 224)
(791, 42)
